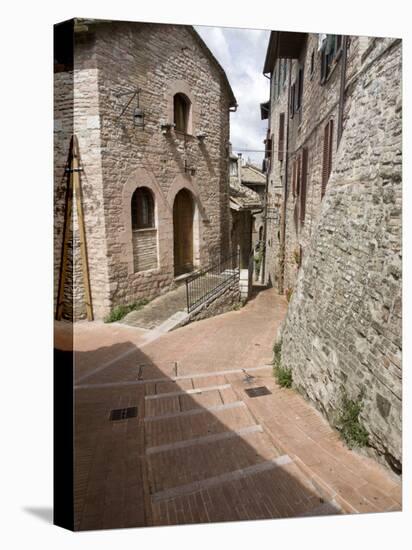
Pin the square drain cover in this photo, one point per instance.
(257, 392)
(122, 414)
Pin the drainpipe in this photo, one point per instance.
(284, 209)
(342, 87)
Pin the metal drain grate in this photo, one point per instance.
(257, 392)
(123, 414)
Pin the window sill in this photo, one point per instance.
(335, 63)
(144, 230)
(181, 134)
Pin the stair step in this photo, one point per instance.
(179, 427)
(203, 440)
(187, 392)
(179, 466)
(214, 481)
(214, 408)
(271, 490)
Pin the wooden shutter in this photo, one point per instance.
(294, 178)
(292, 100)
(281, 140)
(298, 175)
(330, 147)
(304, 170)
(327, 155)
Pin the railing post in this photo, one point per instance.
(187, 295)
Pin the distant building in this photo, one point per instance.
(247, 190)
(150, 106)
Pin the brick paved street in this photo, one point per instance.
(200, 449)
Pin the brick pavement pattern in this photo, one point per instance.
(200, 449)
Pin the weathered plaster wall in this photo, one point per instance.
(343, 327)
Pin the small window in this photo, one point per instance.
(181, 113)
(312, 63)
(299, 90)
(331, 49)
(142, 209)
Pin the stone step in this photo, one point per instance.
(215, 481)
(204, 439)
(184, 402)
(212, 458)
(197, 423)
(195, 411)
(272, 489)
(187, 392)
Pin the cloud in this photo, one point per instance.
(241, 52)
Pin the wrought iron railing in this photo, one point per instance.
(211, 280)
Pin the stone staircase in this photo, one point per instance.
(208, 459)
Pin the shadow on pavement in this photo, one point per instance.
(199, 457)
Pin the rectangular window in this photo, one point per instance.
(331, 49)
(281, 140)
(299, 94)
(327, 155)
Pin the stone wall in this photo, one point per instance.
(159, 60)
(224, 302)
(343, 327)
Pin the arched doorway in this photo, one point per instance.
(183, 213)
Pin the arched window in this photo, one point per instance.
(181, 112)
(142, 209)
(261, 233)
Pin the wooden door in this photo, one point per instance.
(183, 232)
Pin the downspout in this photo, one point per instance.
(342, 87)
(284, 209)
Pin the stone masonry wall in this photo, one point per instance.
(215, 306)
(77, 111)
(160, 60)
(320, 103)
(343, 327)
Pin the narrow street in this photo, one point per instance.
(199, 448)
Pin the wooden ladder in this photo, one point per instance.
(74, 187)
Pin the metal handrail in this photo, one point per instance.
(211, 280)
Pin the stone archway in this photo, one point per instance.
(183, 218)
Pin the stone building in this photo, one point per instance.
(150, 106)
(246, 206)
(334, 222)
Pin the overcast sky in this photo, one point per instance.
(241, 52)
